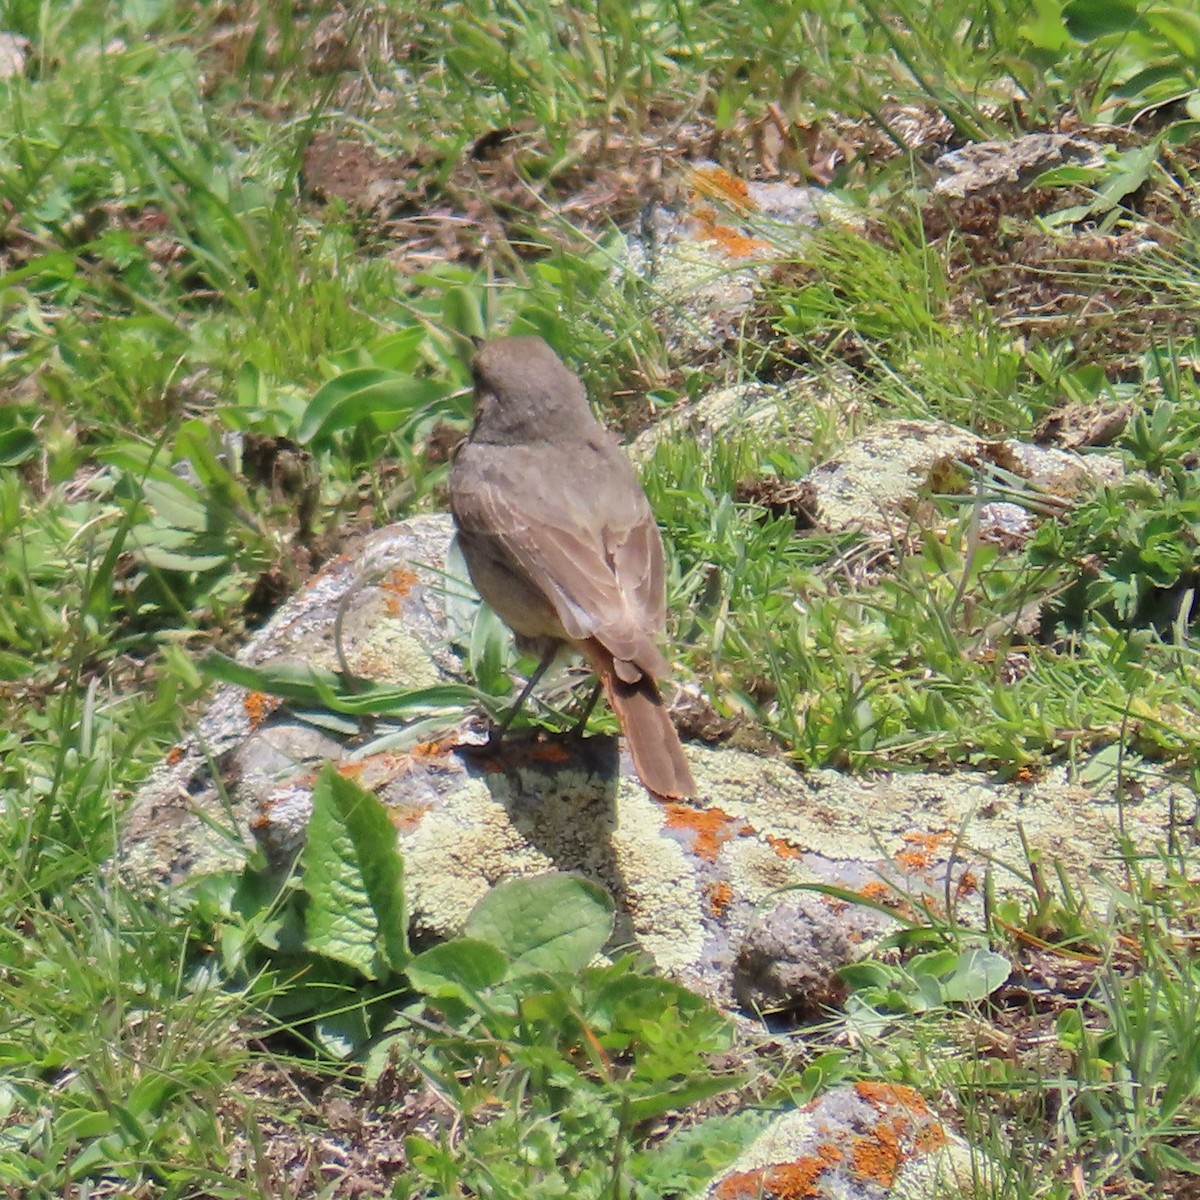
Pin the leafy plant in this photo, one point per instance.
(540, 1049)
(925, 981)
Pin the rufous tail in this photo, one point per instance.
(654, 745)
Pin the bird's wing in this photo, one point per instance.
(581, 531)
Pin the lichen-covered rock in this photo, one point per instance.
(863, 1141)
(874, 483)
(701, 887)
(797, 406)
(983, 167)
(381, 614)
(709, 260)
(790, 956)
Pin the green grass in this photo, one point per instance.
(168, 287)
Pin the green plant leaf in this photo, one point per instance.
(353, 874)
(1090, 19)
(365, 392)
(679, 1096)
(460, 969)
(553, 922)
(978, 974)
(17, 443)
(310, 688)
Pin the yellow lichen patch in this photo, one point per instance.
(780, 1181)
(710, 828)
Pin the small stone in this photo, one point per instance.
(14, 50)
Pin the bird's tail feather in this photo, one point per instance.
(653, 743)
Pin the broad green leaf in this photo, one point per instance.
(463, 310)
(680, 1096)
(1178, 26)
(310, 688)
(16, 445)
(366, 392)
(554, 922)
(1089, 19)
(343, 1034)
(353, 874)
(1046, 29)
(399, 351)
(177, 503)
(978, 974)
(460, 968)
(1069, 176)
(171, 560)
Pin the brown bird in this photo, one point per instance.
(559, 539)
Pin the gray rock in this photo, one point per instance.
(790, 956)
(997, 166)
(871, 486)
(708, 262)
(795, 406)
(863, 1141)
(14, 50)
(701, 887)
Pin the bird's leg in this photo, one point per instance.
(548, 656)
(581, 724)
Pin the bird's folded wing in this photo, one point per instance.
(602, 576)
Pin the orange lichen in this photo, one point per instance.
(876, 890)
(424, 751)
(174, 756)
(408, 816)
(878, 1156)
(781, 1181)
(333, 565)
(351, 770)
(710, 828)
(889, 1095)
(932, 1137)
(783, 847)
(258, 707)
(399, 581)
(967, 883)
(720, 896)
(922, 847)
(718, 184)
(735, 243)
